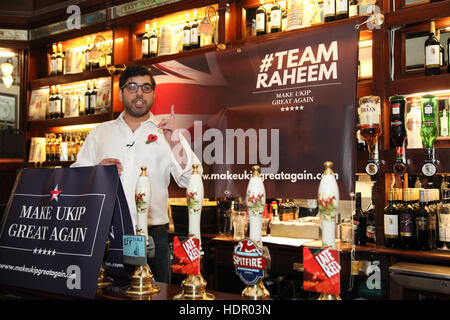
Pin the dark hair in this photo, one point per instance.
(134, 71)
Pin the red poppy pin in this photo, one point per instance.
(151, 138)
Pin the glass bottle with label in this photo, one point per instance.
(187, 34)
(428, 131)
(341, 9)
(153, 49)
(391, 237)
(87, 55)
(359, 223)
(60, 60)
(260, 20)
(443, 122)
(329, 10)
(283, 19)
(353, 8)
(53, 66)
(441, 49)
(145, 42)
(60, 102)
(93, 98)
(370, 128)
(398, 131)
(87, 99)
(275, 17)
(444, 220)
(422, 229)
(432, 53)
(413, 121)
(94, 61)
(195, 41)
(407, 221)
(371, 227)
(51, 104)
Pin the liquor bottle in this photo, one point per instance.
(261, 20)
(361, 144)
(391, 213)
(443, 122)
(94, 61)
(93, 98)
(444, 219)
(195, 39)
(53, 60)
(359, 223)
(342, 9)
(407, 221)
(422, 228)
(371, 227)
(370, 128)
(432, 52)
(87, 99)
(441, 49)
(60, 60)
(275, 17)
(413, 121)
(109, 54)
(87, 55)
(51, 98)
(398, 131)
(153, 49)
(353, 8)
(428, 129)
(329, 10)
(187, 34)
(145, 42)
(59, 102)
(283, 19)
(432, 218)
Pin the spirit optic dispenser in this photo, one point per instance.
(398, 132)
(370, 129)
(428, 133)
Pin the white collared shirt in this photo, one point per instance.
(112, 139)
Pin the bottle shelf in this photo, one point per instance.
(409, 15)
(69, 78)
(60, 122)
(417, 84)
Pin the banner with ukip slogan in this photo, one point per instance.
(287, 104)
(55, 227)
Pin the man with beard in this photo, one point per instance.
(137, 138)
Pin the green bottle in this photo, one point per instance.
(428, 130)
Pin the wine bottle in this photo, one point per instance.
(275, 17)
(283, 19)
(93, 98)
(51, 103)
(195, 41)
(441, 49)
(60, 60)
(444, 219)
(87, 55)
(407, 221)
(391, 237)
(87, 99)
(423, 235)
(109, 54)
(341, 9)
(261, 20)
(359, 223)
(371, 227)
(432, 53)
(187, 34)
(59, 103)
(53, 66)
(329, 10)
(145, 42)
(153, 50)
(94, 61)
(353, 8)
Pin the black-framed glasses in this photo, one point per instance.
(133, 87)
